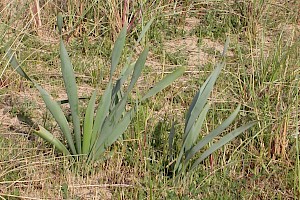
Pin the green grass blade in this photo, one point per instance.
(58, 115)
(46, 135)
(88, 125)
(117, 50)
(164, 83)
(15, 64)
(213, 134)
(224, 140)
(202, 96)
(71, 88)
(145, 29)
(171, 140)
(226, 46)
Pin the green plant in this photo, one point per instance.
(112, 118)
(193, 123)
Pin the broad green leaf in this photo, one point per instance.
(46, 135)
(224, 140)
(194, 101)
(71, 88)
(88, 124)
(126, 73)
(203, 95)
(59, 22)
(117, 50)
(52, 105)
(119, 109)
(164, 83)
(117, 90)
(111, 121)
(213, 134)
(117, 131)
(145, 29)
(102, 112)
(15, 64)
(192, 135)
(120, 128)
(58, 115)
(138, 67)
(195, 130)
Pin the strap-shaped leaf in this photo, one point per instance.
(102, 112)
(120, 128)
(111, 121)
(117, 90)
(164, 83)
(145, 29)
(59, 22)
(88, 125)
(52, 105)
(71, 88)
(202, 96)
(117, 50)
(119, 109)
(138, 67)
(117, 131)
(15, 64)
(191, 136)
(212, 134)
(224, 140)
(196, 129)
(46, 135)
(58, 115)
(225, 47)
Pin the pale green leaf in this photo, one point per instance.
(15, 64)
(164, 83)
(212, 134)
(202, 96)
(195, 130)
(58, 115)
(71, 88)
(88, 125)
(117, 50)
(59, 22)
(224, 140)
(102, 112)
(46, 135)
(145, 29)
(138, 67)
